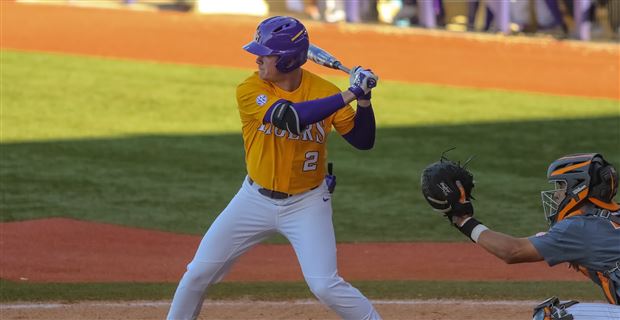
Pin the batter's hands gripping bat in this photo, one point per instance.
(324, 58)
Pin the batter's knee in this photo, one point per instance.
(200, 275)
(326, 289)
(343, 298)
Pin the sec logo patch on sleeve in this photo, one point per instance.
(261, 100)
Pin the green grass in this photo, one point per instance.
(47, 96)
(158, 146)
(51, 97)
(492, 290)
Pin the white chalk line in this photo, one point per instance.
(263, 303)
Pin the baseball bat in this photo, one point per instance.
(324, 58)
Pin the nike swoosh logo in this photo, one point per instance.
(325, 199)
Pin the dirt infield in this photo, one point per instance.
(65, 250)
(292, 310)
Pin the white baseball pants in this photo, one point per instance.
(594, 311)
(304, 219)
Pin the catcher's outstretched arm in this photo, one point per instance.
(506, 247)
(447, 186)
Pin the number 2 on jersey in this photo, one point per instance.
(312, 157)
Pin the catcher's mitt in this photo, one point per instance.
(447, 187)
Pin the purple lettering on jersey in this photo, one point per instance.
(314, 132)
(307, 134)
(320, 137)
(266, 128)
(279, 132)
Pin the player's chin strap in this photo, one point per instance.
(553, 309)
(613, 216)
(608, 210)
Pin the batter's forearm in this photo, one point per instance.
(348, 96)
(314, 110)
(362, 136)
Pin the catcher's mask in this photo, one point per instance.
(285, 37)
(579, 178)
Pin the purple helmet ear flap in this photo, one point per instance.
(288, 63)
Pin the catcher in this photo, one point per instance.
(584, 225)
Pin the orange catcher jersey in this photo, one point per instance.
(277, 159)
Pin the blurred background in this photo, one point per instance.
(597, 20)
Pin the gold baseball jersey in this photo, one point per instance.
(277, 159)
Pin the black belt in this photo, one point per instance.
(271, 193)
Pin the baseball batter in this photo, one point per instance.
(286, 116)
(582, 213)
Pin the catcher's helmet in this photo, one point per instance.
(581, 177)
(284, 37)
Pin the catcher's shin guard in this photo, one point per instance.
(552, 309)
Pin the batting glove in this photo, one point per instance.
(361, 82)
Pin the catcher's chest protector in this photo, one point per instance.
(608, 280)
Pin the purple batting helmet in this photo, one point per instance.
(284, 37)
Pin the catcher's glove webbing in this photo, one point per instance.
(447, 187)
